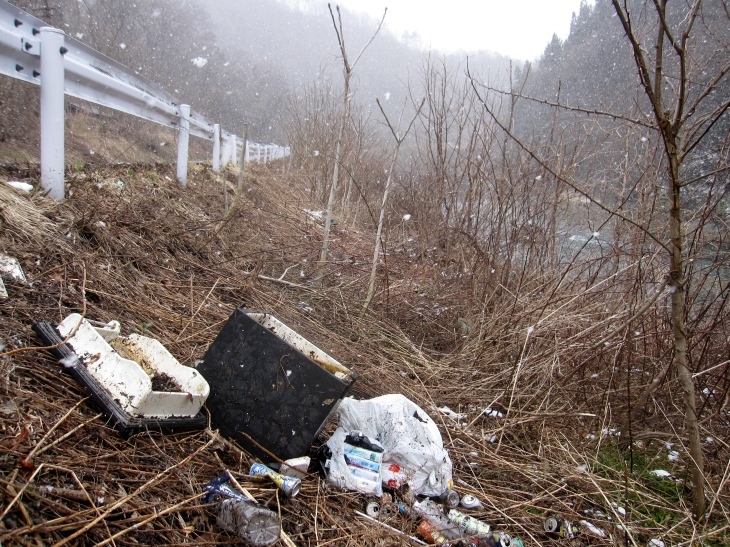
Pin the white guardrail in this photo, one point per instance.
(32, 51)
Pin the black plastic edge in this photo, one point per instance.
(121, 420)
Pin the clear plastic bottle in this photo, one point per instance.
(432, 512)
(254, 523)
(430, 533)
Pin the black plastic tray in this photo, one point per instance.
(265, 390)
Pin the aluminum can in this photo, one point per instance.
(559, 527)
(469, 525)
(450, 498)
(289, 485)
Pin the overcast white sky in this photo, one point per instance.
(518, 28)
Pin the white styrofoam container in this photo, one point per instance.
(125, 372)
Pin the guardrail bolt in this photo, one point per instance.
(17, 23)
(19, 67)
(36, 32)
(28, 46)
(36, 73)
(63, 50)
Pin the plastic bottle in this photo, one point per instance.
(430, 533)
(430, 511)
(240, 515)
(253, 523)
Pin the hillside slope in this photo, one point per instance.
(130, 244)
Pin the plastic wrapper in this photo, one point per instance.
(414, 452)
(341, 470)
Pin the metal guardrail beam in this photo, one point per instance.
(91, 76)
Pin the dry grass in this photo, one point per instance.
(150, 258)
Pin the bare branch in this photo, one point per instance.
(340, 41)
(709, 88)
(661, 11)
(641, 64)
(369, 41)
(715, 118)
(682, 97)
(397, 138)
(557, 176)
(569, 108)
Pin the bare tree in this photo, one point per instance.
(684, 111)
(685, 103)
(347, 74)
(398, 141)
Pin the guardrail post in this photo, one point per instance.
(183, 139)
(52, 112)
(232, 149)
(225, 145)
(258, 153)
(246, 155)
(216, 147)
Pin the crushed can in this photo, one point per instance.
(561, 528)
(471, 502)
(467, 524)
(289, 485)
(450, 498)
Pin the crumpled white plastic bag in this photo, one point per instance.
(414, 450)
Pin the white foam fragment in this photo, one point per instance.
(661, 473)
(490, 412)
(654, 542)
(673, 456)
(18, 185)
(69, 362)
(593, 529)
(451, 414)
(10, 269)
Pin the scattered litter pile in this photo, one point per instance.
(377, 468)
